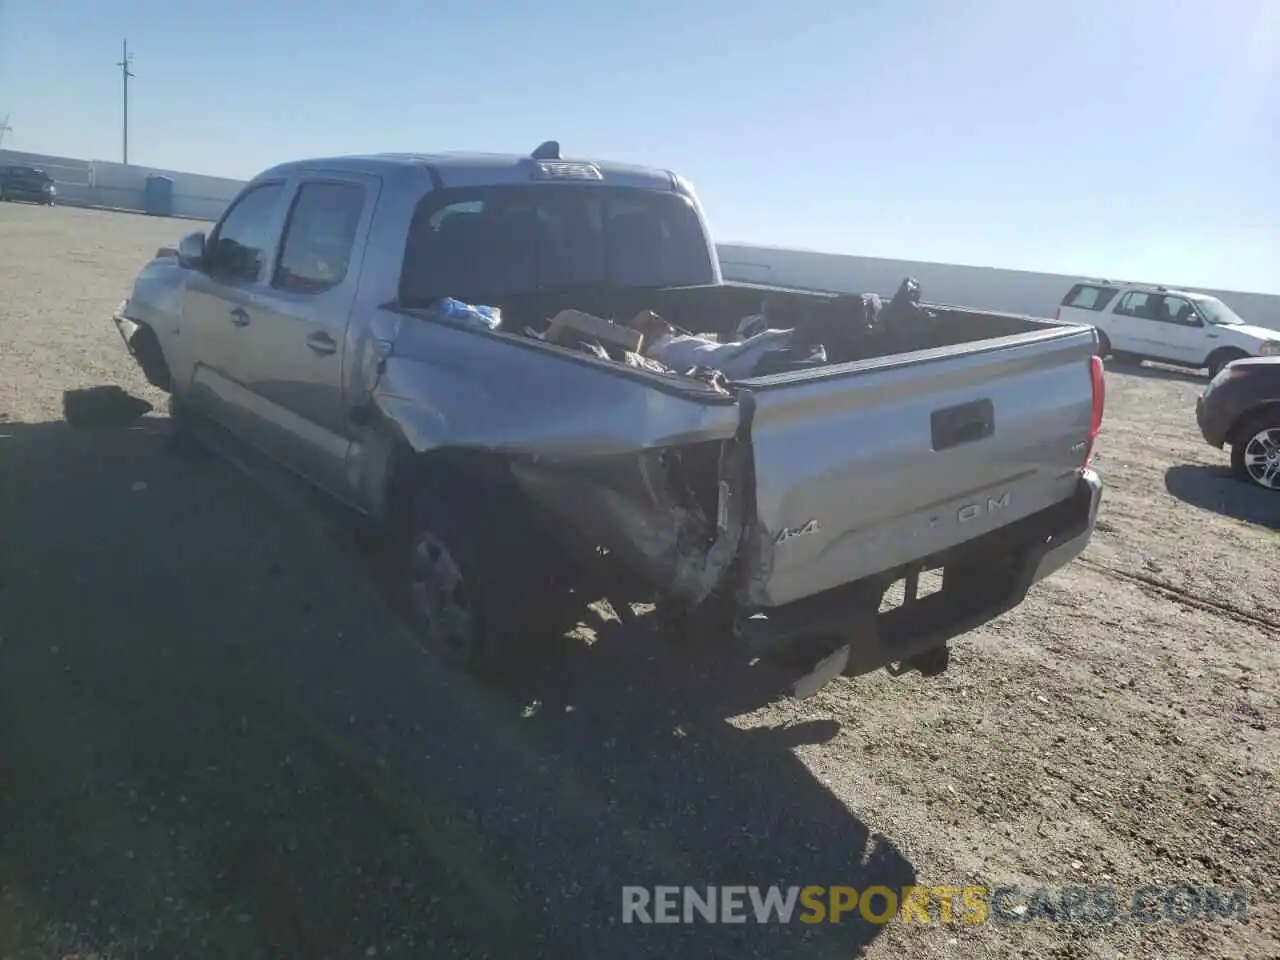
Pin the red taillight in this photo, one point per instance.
(1099, 384)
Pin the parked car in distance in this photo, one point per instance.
(1172, 326)
(1241, 407)
(27, 183)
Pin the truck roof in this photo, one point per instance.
(468, 169)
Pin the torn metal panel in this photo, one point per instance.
(654, 474)
(650, 512)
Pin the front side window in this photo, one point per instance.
(240, 243)
(487, 244)
(1175, 310)
(319, 237)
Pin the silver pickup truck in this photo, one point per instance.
(503, 468)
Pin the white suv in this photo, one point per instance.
(1172, 326)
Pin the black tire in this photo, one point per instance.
(1258, 436)
(183, 439)
(1217, 361)
(1104, 344)
(474, 589)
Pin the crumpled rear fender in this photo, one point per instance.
(654, 474)
(672, 516)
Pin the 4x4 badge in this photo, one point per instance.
(790, 533)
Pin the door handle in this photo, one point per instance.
(240, 317)
(321, 343)
(965, 423)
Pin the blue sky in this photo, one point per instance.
(1138, 138)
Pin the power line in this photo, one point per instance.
(125, 73)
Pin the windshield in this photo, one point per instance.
(1217, 312)
(488, 244)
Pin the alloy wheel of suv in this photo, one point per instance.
(1256, 457)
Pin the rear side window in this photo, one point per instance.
(487, 244)
(1084, 296)
(319, 237)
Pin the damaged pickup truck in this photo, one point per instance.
(505, 466)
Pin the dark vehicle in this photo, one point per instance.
(27, 183)
(1241, 407)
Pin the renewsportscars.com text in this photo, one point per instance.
(938, 904)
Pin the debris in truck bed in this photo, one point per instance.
(575, 325)
(488, 318)
(844, 328)
(688, 351)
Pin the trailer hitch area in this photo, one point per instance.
(931, 660)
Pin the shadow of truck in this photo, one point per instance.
(216, 741)
(1218, 490)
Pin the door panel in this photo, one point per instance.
(296, 372)
(1181, 330)
(221, 303)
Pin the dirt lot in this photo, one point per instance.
(216, 741)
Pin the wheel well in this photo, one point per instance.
(1271, 406)
(481, 494)
(1221, 353)
(150, 357)
(465, 474)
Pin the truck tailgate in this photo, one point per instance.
(864, 467)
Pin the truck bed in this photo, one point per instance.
(846, 470)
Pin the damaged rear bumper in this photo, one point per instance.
(981, 580)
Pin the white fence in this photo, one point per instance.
(98, 183)
(114, 186)
(982, 288)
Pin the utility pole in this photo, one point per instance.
(4, 127)
(125, 74)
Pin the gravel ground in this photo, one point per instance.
(215, 741)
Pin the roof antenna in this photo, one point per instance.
(550, 150)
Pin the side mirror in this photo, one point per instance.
(191, 251)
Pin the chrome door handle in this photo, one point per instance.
(240, 317)
(321, 343)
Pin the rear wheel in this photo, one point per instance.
(446, 586)
(1104, 344)
(473, 587)
(1220, 359)
(1255, 455)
